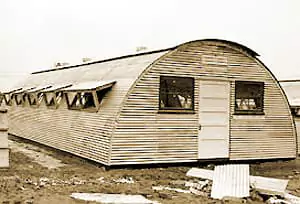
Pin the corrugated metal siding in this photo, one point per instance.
(231, 180)
(145, 136)
(260, 137)
(81, 133)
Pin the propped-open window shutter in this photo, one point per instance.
(71, 96)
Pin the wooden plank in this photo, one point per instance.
(269, 185)
(201, 173)
(263, 184)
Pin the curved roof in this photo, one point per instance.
(235, 44)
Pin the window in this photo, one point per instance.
(176, 93)
(8, 99)
(296, 111)
(82, 100)
(249, 97)
(53, 99)
(1, 99)
(101, 94)
(32, 99)
(20, 98)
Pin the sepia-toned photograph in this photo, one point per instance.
(149, 102)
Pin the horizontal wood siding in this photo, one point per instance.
(86, 134)
(263, 136)
(297, 123)
(143, 135)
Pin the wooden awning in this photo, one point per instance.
(57, 87)
(38, 89)
(90, 86)
(11, 91)
(23, 90)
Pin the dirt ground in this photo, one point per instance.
(29, 180)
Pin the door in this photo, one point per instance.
(213, 135)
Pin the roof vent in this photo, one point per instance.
(60, 64)
(86, 59)
(141, 48)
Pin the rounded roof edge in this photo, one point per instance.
(243, 47)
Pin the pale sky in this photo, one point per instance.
(37, 33)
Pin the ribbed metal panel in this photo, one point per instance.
(82, 133)
(297, 123)
(231, 180)
(128, 128)
(143, 135)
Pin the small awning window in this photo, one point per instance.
(35, 96)
(20, 95)
(87, 95)
(8, 95)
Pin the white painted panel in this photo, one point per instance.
(210, 149)
(215, 132)
(3, 139)
(231, 180)
(214, 90)
(214, 104)
(4, 157)
(213, 138)
(213, 118)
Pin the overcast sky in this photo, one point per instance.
(37, 33)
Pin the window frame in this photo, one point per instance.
(295, 111)
(81, 107)
(8, 98)
(55, 103)
(174, 109)
(262, 99)
(1, 99)
(23, 98)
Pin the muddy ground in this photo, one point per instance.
(29, 180)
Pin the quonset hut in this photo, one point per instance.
(292, 90)
(205, 99)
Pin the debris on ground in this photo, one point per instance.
(291, 198)
(178, 190)
(199, 185)
(113, 198)
(27, 181)
(267, 185)
(201, 173)
(124, 180)
(231, 180)
(274, 200)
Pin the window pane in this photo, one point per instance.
(83, 100)
(176, 93)
(249, 96)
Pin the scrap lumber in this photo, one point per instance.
(263, 184)
(201, 173)
(231, 180)
(291, 198)
(178, 190)
(269, 186)
(113, 198)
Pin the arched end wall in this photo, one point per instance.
(143, 135)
